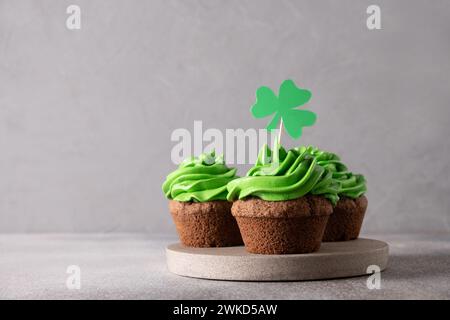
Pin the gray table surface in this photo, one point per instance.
(130, 266)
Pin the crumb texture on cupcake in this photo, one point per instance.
(346, 221)
(305, 206)
(282, 227)
(283, 235)
(205, 224)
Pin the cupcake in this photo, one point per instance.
(197, 193)
(283, 203)
(348, 214)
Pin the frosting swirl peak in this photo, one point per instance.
(351, 185)
(199, 179)
(279, 175)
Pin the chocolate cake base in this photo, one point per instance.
(205, 224)
(282, 227)
(346, 220)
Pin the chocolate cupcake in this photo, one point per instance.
(283, 204)
(348, 214)
(198, 202)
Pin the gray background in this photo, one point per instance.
(86, 116)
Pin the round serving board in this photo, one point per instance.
(333, 260)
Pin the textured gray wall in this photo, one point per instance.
(86, 116)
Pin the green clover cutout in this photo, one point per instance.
(289, 97)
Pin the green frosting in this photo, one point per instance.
(281, 175)
(351, 185)
(199, 179)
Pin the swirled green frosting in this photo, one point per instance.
(199, 179)
(281, 175)
(351, 185)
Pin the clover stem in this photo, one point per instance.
(280, 131)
